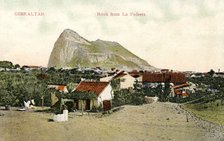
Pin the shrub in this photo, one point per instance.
(125, 96)
(138, 98)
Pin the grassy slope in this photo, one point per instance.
(106, 47)
(111, 47)
(116, 61)
(210, 112)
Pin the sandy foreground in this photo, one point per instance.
(150, 122)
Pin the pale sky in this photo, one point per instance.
(173, 34)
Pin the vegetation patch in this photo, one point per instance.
(213, 111)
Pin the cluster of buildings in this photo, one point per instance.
(177, 81)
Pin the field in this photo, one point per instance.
(150, 122)
(212, 113)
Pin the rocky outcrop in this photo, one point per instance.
(72, 50)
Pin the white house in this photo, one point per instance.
(126, 80)
(103, 92)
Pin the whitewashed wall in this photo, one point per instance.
(105, 95)
(127, 82)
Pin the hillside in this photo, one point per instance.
(72, 50)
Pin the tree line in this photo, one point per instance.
(23, 85)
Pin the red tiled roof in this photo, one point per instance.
(179, 92)
(164, 77)
(185, 94)
(60, 87)
(96, 87)
(178, 77)
(181, 86)
(152, 77)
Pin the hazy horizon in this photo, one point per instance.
(174, 34)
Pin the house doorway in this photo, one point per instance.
(106, 105)
(87, 104)
(76, 105)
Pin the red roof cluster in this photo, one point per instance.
(173, 77)
(96, 87)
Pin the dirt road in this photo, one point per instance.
(151, 122)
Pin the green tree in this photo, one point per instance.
(138, 98)
(211, 72)
(6, 64)
(70, 87)
(17, 66)
(115, 84)
(122, 97)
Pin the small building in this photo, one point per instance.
(180, 90)
(157, 77)
(163, 80)
(60, 88)
(126, 80)
(103, 92)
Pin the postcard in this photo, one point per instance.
(110, 70)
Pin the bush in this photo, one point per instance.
(138, 98)
(122, 97)
(125, 96)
